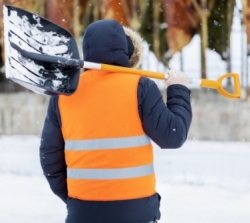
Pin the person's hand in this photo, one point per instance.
(175, 77)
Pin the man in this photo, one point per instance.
(95, 149)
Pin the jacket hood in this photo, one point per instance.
(106, 41)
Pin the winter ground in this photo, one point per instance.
(203, 182)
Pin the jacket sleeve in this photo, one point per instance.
(52, 151)
(166, 124)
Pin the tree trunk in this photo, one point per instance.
(114, 9)
(156, 29)
(230, 6)
(60, 13)
(204, 37)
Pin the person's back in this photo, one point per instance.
(96, 151)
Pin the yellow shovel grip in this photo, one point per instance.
(217, 84)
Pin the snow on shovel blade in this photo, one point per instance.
(35, 34)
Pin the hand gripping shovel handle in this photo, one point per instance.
(215, 84)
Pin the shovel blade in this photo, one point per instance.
(36, 34)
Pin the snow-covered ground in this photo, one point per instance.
(203, 182)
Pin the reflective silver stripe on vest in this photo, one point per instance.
(114, 143)
(110, 174)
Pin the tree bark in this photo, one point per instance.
(61, 13)
(114, 9)
(204, 37)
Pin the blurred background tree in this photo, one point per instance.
(167, 25)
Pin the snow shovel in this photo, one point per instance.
(44, 57)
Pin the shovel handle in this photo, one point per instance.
(144, 73)
(215, 84)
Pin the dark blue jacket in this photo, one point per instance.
(167, 125)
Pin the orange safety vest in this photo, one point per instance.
(107, 153)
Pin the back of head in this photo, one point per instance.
(106, 41)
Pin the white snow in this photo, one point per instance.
(32, 36)
(203, 182)
(20, 31)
